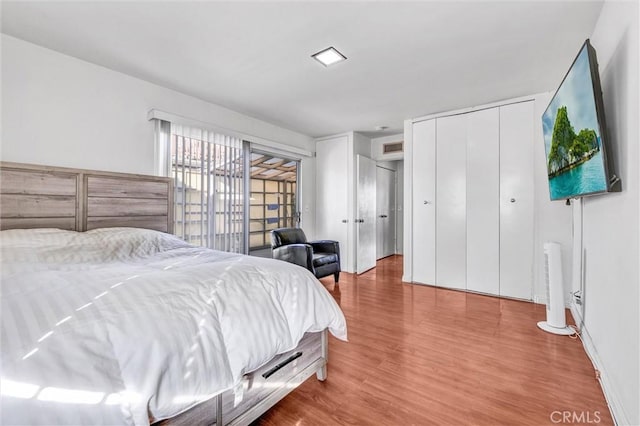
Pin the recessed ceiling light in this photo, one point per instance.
(329, 56)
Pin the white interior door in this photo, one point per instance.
(424, 201)
(366, 214)
(390, 221)
(483, 201)
(516, 200)
(385, 218)
(332, 199)
(451, 193)
(381, 200)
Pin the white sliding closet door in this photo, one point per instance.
(483, 192)
(451, 209)
(424, 199)
(516, 200)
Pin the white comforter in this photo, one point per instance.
(114, 326)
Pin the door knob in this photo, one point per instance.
(513, 200)
(345, 221)
(427, 202)
(359, 220)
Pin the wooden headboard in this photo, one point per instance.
(33, 196)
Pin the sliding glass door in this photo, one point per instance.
(273, 198)
(228, 196)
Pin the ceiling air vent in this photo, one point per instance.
(388, 148)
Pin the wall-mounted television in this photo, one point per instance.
(575, 134)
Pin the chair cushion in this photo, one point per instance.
(285, 236)
(320, 259)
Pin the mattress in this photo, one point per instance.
(128, 326)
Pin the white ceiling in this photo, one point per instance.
(405, 59)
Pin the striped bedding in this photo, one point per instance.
(125, 325)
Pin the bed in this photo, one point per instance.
(109, 319)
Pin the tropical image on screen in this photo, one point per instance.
(575, 162)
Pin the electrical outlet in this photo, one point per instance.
(577, 297)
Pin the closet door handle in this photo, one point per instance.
(345, 220)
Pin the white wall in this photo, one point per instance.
(308, 197)
(62, 111)
(610, 222)
(376, 148)
(552, 219)
(361, 145)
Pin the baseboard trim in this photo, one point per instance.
(610, 395)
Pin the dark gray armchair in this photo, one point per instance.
(320, 257)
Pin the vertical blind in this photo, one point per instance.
(207, 169)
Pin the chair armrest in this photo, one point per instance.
(326, 246)
(300, 254)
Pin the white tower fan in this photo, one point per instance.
(556, 321)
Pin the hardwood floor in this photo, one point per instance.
(419, 355)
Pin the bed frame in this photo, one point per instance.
(263, 388)
(34, 196)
